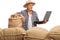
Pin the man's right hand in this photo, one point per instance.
(23, 18)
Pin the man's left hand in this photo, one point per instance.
(45, 21)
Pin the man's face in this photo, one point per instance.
(29, 7)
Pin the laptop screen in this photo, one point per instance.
(47, 15)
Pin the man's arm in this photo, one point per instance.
(39, 22)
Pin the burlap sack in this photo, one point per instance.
(36, 33)
(13, 33)
(55, 33)
(1, 35)
(15, 21)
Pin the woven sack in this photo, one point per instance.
(1, 34)
(13, 33)
(55, 33)
(36, 33)
(15, 21)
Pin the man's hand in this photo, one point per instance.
(45, 21)
(23, 18)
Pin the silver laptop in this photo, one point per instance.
(47, 15)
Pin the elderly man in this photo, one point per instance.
(30, 16)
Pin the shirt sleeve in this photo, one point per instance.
(37, 19)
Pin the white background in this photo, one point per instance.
(9, 7)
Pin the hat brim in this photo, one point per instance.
(29, 3)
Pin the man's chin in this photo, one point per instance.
(31, 10)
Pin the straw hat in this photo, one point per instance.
(29, 2)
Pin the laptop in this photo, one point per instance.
(47, 15)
